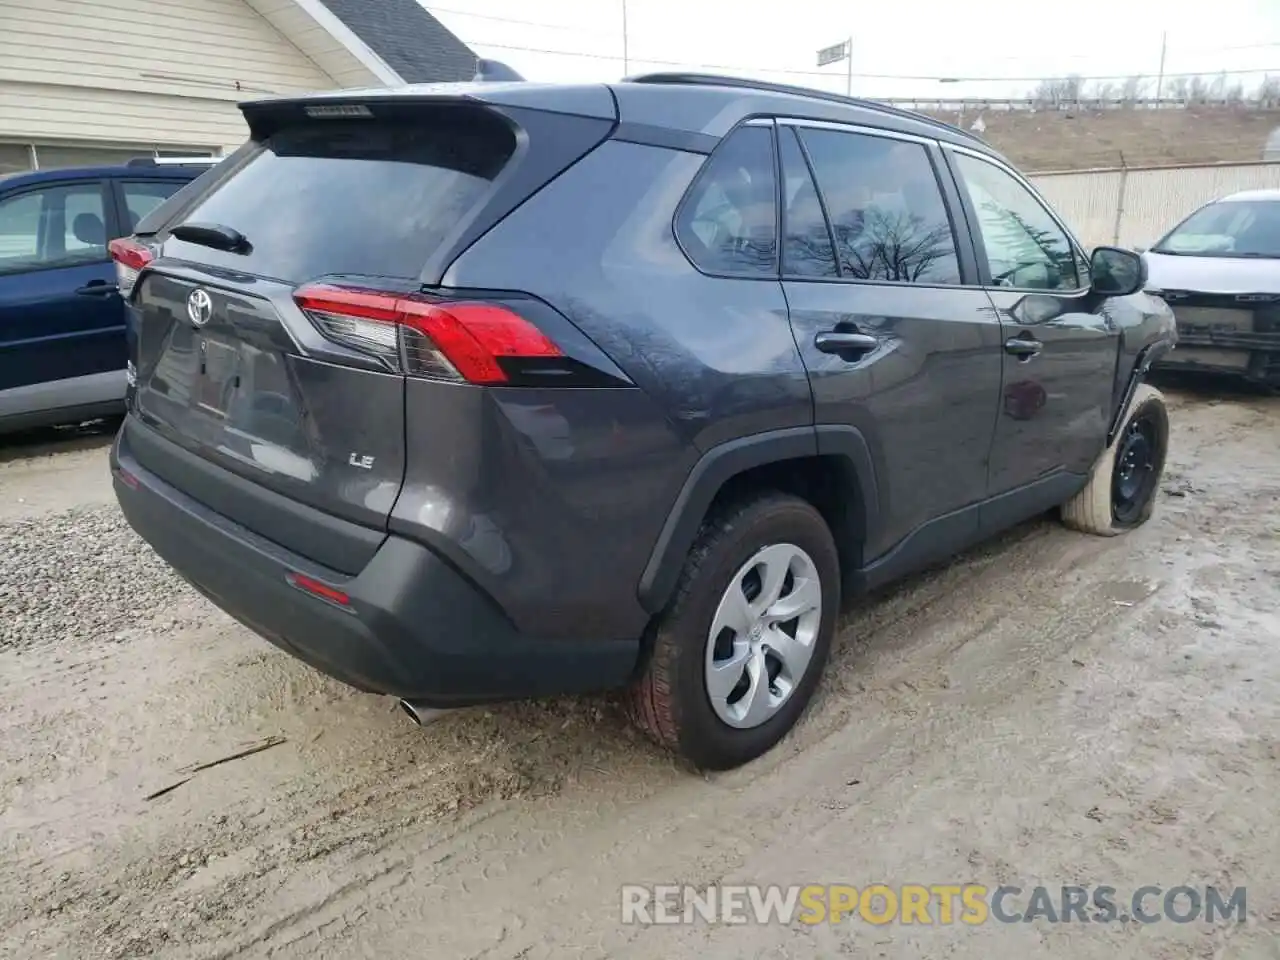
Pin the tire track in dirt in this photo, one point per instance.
(387, 838)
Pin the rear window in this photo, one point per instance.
(365, 197)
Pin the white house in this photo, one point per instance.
(100, 81)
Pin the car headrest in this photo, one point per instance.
(89, 229)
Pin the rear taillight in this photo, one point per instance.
(466, 341)
(130, 257)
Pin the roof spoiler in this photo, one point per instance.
(494, 71)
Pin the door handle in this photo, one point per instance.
(101, 289)
(1024, 347)
(841, 343)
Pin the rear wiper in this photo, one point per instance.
(213, 235)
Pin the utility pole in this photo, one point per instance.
(1164, 42)
(626, 68)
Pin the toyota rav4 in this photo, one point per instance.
(502, 390)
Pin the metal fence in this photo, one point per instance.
(1135, 206)
(963, 105)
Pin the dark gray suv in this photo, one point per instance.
(504, 390)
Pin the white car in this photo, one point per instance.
(1219, 269)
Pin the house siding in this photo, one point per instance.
(144, 71)
(316, 43)
(42, 113)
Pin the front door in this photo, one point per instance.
(1059, 343)
(899, 340)
(61, 321)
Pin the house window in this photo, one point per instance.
(17, 157)
(14, 158)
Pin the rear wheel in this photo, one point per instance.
(740, 651)
(1124, 482)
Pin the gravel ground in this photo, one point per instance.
(80, 573)
(1048, 708)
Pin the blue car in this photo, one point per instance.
(62, 322)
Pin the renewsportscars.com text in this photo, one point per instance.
(970, 904)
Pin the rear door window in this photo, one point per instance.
(886, 208)
(361, 197)
(143, 196)
(807, 251)
(728, 223)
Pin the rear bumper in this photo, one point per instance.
(413, 627)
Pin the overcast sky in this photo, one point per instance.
(1003, 39)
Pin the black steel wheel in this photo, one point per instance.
(1124, 482)
(1136, 473)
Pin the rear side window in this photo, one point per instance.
(363, 197)
(143, 196)
(886, 208)
(728, 223)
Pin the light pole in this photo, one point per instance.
(626, 68)
(1164, 43)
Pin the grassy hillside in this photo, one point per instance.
(1075, 140)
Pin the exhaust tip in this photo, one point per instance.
(420, 714)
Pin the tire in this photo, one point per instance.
(739, 546)
(1101, 508)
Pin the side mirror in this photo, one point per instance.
(1117, 273)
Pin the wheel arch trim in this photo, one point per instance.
(719, 465)
(1146, 357)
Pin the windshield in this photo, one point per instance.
(1228, 228)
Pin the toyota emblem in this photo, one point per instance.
(199, 307)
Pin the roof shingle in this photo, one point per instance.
(408, 38)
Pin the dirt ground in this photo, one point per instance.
(1051, 708)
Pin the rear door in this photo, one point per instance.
(1060, 344)
(61, 321)
(899, 340)
(231, 370)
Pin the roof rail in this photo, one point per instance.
(716, 80)
(170, 161)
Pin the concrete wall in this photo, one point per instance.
(1135, 206)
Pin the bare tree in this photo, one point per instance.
(1054, 93)
(1179, 88)
(1105, 90)
(881, 244)
(1133, 88)
(1268, 92)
